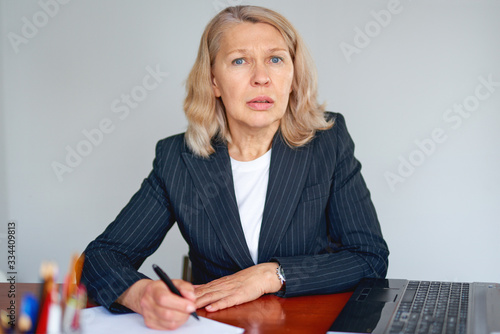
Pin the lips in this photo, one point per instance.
(260, 103)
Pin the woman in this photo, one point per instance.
(264, 186)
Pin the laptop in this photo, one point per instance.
(403, 306)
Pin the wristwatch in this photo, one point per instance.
(281, 277)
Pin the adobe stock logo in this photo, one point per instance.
(454, 117)
(373, 28)
(94, 137)
(31, 27)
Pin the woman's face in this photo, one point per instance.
(253, 74)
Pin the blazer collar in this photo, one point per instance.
(213, 180)
(287, 176)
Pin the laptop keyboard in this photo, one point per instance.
(432, 307)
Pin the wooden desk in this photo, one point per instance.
(268, 314)
(271, 314)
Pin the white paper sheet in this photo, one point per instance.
(97, 320)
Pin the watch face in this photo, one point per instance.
(281, 273)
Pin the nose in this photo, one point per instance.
(260, 76)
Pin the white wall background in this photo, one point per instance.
(62, 77)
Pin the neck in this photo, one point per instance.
(250, 146)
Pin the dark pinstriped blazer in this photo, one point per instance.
(319, 222)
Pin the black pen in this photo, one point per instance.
(164, 277)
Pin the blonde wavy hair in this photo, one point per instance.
(206, 114)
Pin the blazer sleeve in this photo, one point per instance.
(356, 247)
(113, 258)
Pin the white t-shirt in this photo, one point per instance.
(250, 186)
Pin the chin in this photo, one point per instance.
(263, 121)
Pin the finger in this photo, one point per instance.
(173, 302)
(224, 303)
(210, 297)
(217, 290)
(165, 320)
(166, 299)
(221, 284)
(162, 318)
(165, 317)
(186, 289)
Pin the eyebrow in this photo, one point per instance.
(245, 51)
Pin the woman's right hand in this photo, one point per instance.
(160, 308)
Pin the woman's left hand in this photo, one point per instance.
(244, 286)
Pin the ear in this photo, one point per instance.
(215, 87)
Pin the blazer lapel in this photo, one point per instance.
(287, 176)
(213, 180)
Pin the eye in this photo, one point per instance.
(276, 60)
(238, 61)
